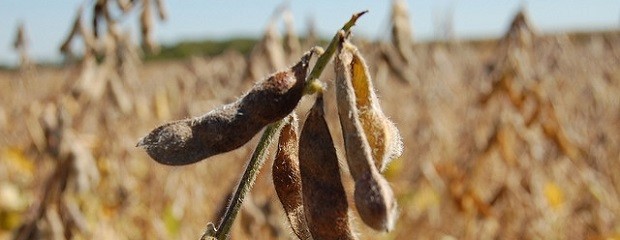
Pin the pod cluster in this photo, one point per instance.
(306, 170)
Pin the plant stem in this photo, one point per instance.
(249, 176)
(260, 153)
(320, 64)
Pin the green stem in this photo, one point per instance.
(248, 179)
(320, 64)
(259, 155)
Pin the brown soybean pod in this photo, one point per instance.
(287, 177)
(230, 126)
(373, 196)
(325, 202)
(382, 135)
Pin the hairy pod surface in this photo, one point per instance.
(382, 135)
(287, 177)
(229, 126)
(375, 201)
(373, 196)
(325, 202)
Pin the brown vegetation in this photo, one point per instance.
(518, 140)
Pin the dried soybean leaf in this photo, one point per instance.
(287, 178)
(325, 202)
(374, 198)
(381, 133)
(230, 126)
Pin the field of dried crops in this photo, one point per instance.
(511, 139)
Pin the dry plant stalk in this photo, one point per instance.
(551, 127)
(20, 37)
(401, 30)
(268, 54)
(21, 45)
(230, 126)
(521, 32)
(125, 5)
(162, 12)
(287, 177)
(100, 11)
(292, 46)
(75, 29)
(399, 55)
(79, 29)
(75, 171)
(512, 77)
(324, 199)
(311, 33)
(272, 45)
(147, 24)
(374, 198)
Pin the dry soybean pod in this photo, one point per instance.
(382, 135)
(373, 196)
(287, 178)
(325, 202)
(230, 126)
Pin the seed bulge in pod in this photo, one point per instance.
(375, 201)
(324, 199)
(374, 198)
(287, 178)
(229, 126)
(381, 133)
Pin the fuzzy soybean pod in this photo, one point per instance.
(382, 135)
(324, 199)
(287, 177)
(229, 126)
(373, 196)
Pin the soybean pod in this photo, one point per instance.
(230, 126)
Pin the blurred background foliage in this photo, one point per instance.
(509, 138)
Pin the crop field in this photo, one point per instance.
(514, 138)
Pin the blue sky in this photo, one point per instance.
(47, 22)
